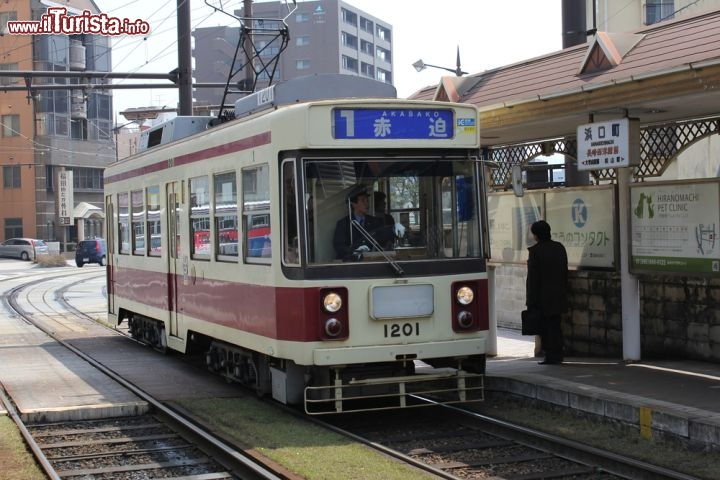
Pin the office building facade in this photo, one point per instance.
(49, 131)
(326, 36)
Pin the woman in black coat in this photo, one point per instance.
(546, 289)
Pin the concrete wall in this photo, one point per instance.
(680, 316)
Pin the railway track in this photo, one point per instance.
(454, 443)
(164, 444)
(142, 446)
(450, 443)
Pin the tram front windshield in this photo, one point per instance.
(375, 210)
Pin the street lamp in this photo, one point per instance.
(420, 66)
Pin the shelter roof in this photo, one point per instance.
(665, 72)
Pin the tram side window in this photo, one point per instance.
(256, 214)
(138, 222)
(226, 225)
(200, 217)
(124, 223)
(154, 232)
(290, 224)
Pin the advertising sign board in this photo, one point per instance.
(674, 227)
(583, 221)
(65, 200)
(510, 219)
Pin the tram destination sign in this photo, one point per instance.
(394, 123)
(611, 144)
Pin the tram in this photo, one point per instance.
(240, 264)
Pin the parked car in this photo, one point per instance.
(92, 250)
(23, 248)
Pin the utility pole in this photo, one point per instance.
(184, 71)
(247, 43)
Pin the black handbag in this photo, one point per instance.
(531, 320)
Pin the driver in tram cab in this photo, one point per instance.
(348, 241)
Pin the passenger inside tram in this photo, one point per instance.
(359, 232)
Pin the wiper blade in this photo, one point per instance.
(398, 269)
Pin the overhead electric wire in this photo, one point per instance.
(46, 148)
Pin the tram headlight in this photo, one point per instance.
(333, 327)
(332, 302)
(465, 295)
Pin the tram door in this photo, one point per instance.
(175, 252)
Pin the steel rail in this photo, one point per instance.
(27, 436)
(581, 451)
(252, 466)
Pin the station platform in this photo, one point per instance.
(49, 383)
(678, 398)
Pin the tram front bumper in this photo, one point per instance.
(392, 353)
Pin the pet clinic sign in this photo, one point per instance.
(611, 144)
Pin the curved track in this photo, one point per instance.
(163, 444)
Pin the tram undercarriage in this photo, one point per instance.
(335, 389)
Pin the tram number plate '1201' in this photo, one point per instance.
(395, 330)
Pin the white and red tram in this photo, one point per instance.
(222, 242)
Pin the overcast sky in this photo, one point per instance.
(489, 34)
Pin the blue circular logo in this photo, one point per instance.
(579, 213)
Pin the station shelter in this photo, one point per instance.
(642, 234)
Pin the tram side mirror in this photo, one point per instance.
(516, 178)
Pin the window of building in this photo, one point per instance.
(367, 70)
(302, 17)
(9, 80)
(256, 214)
(11, 176)
(99, 116)
(267, 24)
(302, 41)
(349, 17)
(384, 75)
(264, 74)
(367, 47)
(154, 229)
(88, 179)
(349, 40)
(383, 33)
(138, 222)
(302, 64)
(366, 25)
(78, 128)
(10, 125)
(49, 179)
(98, 51)
(6, 17)
(349, 63)
(13, 228)
(226, 224)
(658, 10)
(383, 54)
(200, 217)
(268, 49)
(61, 101)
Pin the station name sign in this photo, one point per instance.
(611, 144)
